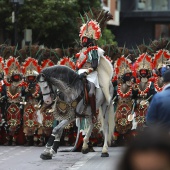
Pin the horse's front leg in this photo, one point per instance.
(54, 140)
(85, 147)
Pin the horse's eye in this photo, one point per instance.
(45, 87)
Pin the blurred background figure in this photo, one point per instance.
(159, 110)
(149, 151)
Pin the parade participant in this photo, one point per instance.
(2, 99)
(161, 58)
(126, 95)
(31, 99)
(14, 90)
(144, 86)
(89, 58)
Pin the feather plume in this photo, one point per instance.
(47, 63)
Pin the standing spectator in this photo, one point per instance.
(149, 151)
(159, 109)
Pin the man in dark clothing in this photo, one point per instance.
(159, 109)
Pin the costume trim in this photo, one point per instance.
(158, 89)
(146, 90)
(79, 64)
(124, 95)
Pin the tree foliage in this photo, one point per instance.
(54, 22)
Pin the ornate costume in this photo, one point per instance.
(161, 58)
(144, 86)
(14, 90)
(125, 94)
(31, 99)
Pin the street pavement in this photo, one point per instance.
(28, 158)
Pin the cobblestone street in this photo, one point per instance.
(27, 158)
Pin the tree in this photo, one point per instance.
(54, 22)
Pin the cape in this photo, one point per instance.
(105, 74)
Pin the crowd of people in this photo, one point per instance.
(135, 84)
(136, 77)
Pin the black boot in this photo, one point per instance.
(50, 140)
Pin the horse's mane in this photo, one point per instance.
(62, 73)
(64, 78)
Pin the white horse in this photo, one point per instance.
(68, 82)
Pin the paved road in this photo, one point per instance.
(27, 158)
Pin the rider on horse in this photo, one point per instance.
(89, 57)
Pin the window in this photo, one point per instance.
(155, 5)
(160, 5)
(162, 30)
(144, 4)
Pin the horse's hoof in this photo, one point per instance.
(85, 151)
(104, 155)
(45, 157)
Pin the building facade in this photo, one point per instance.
(142, 20)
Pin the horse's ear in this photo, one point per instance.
(38, 78)
(43, 75)
(40, 75)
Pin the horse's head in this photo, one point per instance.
(46, 88)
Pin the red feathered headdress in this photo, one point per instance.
(67, 62)
(144, 61)
(30, 67)
(47, 63)
(122, 66)
(161, 58)
(12, 67)
(91, 30)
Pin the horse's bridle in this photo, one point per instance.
(51, 89)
